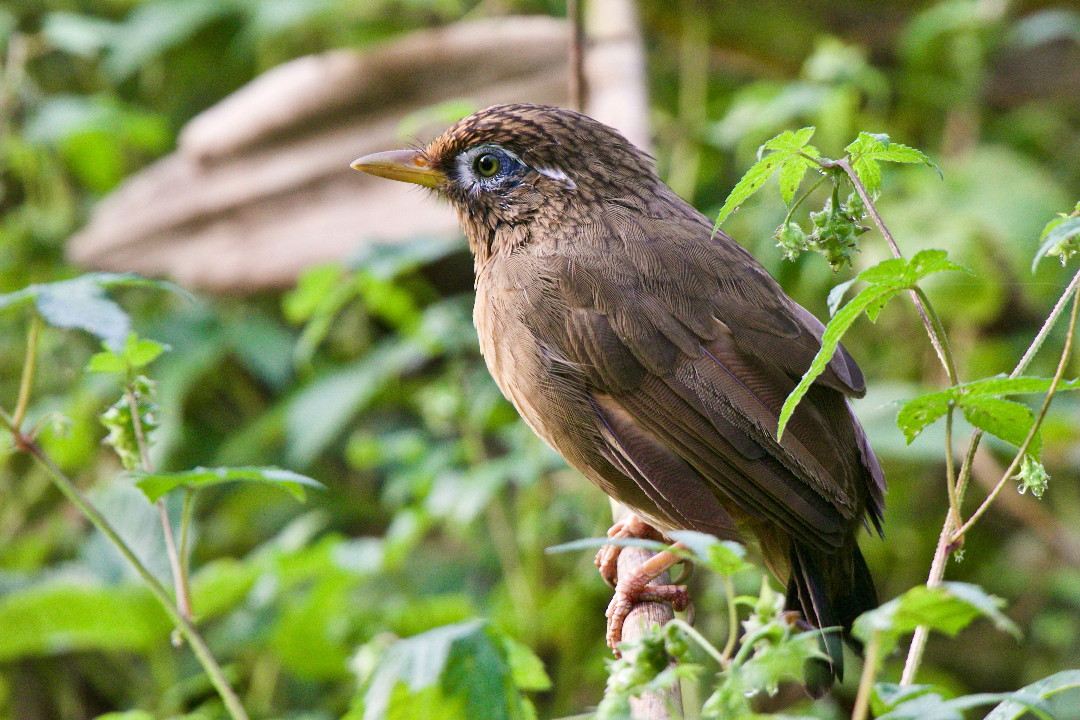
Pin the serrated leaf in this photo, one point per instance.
(834, 331)
(157, 485)
(791, 175)
(750, 183)
(919, 412)
(789, 140)
(878, 146)
(869, 173)
(947, 609)
(1006, 419)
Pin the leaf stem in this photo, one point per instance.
(26, 382)
(700, 640)
(866, 680)
(797, 203)
(733, 622)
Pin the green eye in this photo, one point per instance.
(487, 165)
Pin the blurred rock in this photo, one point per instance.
(260, 187)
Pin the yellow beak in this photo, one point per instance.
(405, 165)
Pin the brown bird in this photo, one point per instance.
(655, 354)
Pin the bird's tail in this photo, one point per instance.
(830, 591)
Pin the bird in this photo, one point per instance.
(654, 353)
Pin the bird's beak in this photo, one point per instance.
(405, 165)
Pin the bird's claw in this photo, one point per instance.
(607, 559)
(633, 591)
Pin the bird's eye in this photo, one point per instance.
(487, 165)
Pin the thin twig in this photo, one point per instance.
(866, 680)
(180, 585)
(26, 382)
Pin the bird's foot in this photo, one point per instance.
(630, 526)
(635, 588)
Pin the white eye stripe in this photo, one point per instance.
(556, 174)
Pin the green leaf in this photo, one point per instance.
(1007, 419)
(878, 147)
(919, 412)
(933, 706)
(722, 556)
(81, 303)
(789, 141)
(461, 669)
(835, 330)
(885, 279)
(869, 173)
(594, 543)
(526, 669)
(786, 147)
(947, 609)
(791, 175)
(157, 485)
(1061, 689)
(136, 353)
(885, 696)
(60, 617)
(750, 183)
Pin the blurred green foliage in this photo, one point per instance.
(439, 502)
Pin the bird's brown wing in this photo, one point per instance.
(689, 350)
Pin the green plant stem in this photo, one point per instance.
(26, 382)
(866, 680)
(795, 205)
(186, 516)
(1066, 353)
(179, 574)
(950, 476)
(700, 640)
(733, 622)
(185, 626)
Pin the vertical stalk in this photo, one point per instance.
(866, 680)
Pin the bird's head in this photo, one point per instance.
(510, 166)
